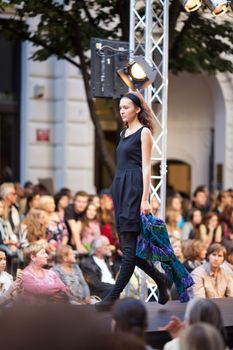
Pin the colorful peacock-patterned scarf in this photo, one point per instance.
(154, 245)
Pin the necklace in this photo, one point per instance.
(132, 131)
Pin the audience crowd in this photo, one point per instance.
(67, 245)
(64, 248)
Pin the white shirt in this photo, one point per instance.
(106, 274)
(6, 281)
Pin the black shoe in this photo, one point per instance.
(163, 287)
(104, 305)
(164, 295)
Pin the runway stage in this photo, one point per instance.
(159, 315)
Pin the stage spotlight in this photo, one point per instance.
(217, 7)
(191, 5)
(137, 75)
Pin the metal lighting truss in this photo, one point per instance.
(149, 37)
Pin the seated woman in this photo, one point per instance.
(175, 202)
(71, 275)
(8, 239)
(89, 226)
(190, 228)
(32, 228)
(56, 230)
(107, 219)
(195, 253)
(41, 285)
(211, 280)
(172, 218)
(6, 280)
(32, 202)
(61, 202)
(223, 199)
(7, 286)
(226, 221)
(210, 231)
(177, 247)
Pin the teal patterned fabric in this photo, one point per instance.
(154, 245)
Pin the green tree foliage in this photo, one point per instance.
(203, 44)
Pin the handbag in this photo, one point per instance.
(153, 244)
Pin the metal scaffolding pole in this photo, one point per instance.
(149, 37)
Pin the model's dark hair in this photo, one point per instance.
(130, 316)
(145, 116)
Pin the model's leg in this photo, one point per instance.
(128, 242)
(159, 278)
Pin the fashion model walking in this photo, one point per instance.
(130, 193)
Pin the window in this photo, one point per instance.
(9, 109)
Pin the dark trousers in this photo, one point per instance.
(128, 241)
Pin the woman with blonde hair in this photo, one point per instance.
(32, 228)
(56, 230)
(39, 284)
(172, 218)
(178, 248)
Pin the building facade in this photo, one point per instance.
(54, 137)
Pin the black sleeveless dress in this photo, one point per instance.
(127, 186)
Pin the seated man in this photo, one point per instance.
(211, 280)
(96, 270)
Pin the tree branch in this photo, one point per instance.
(107, 159)
(27, 37)
(178, 37)
(174, 12)
(90, 18)
(122, 7)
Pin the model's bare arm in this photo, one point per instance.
(147, 143)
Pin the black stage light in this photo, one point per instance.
(138, 74)
(107, 56)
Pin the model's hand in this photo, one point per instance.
(145, 207)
